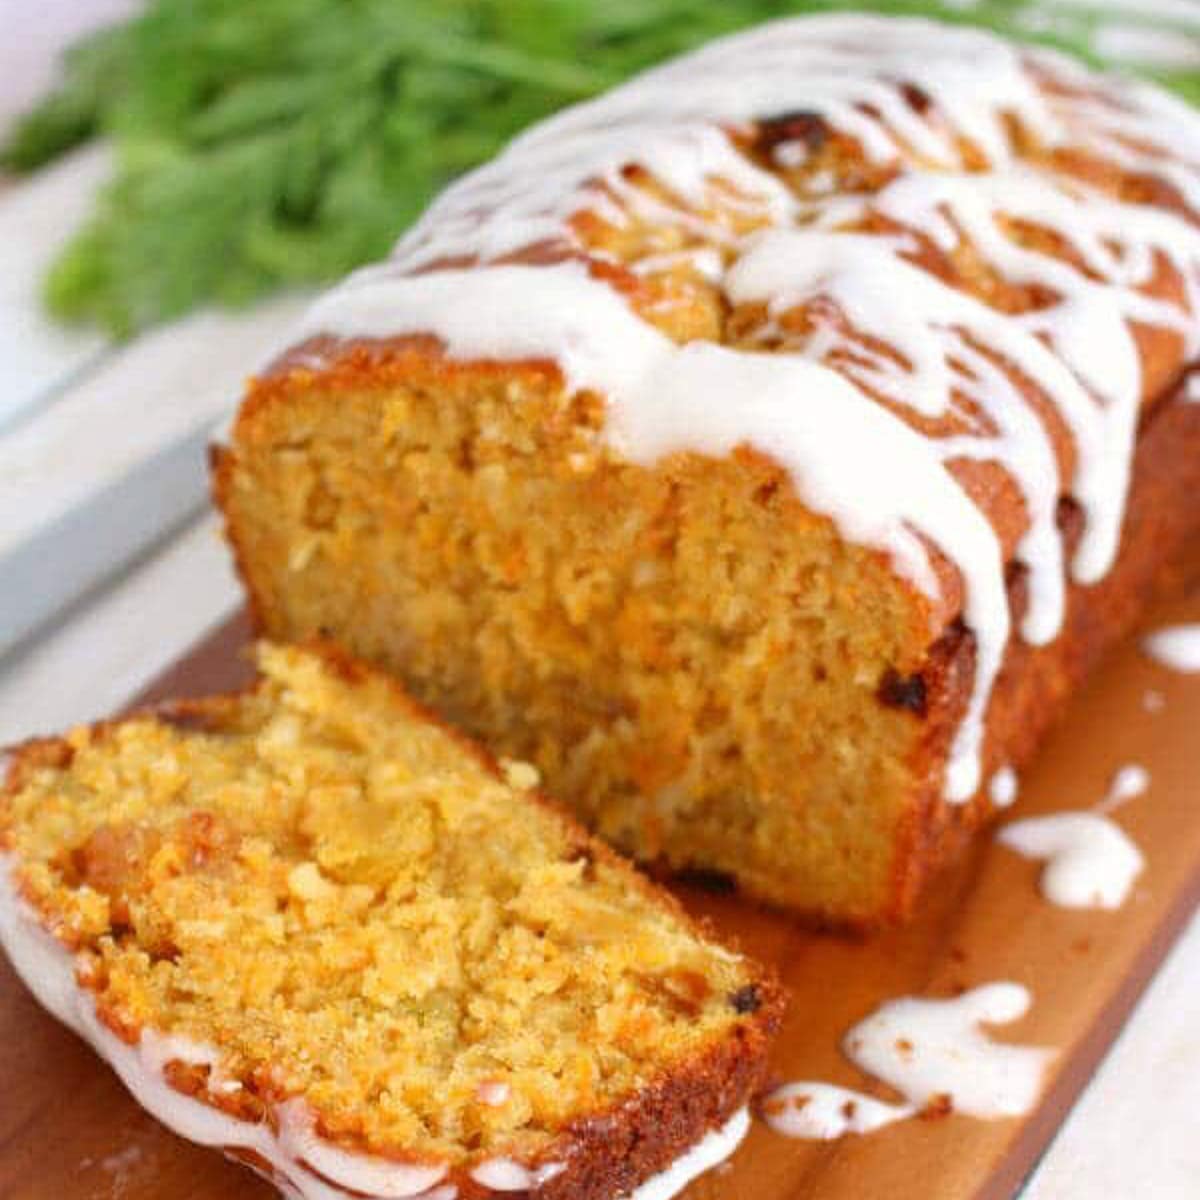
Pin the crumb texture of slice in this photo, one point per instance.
(357, 911)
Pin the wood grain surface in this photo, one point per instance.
(68, 1131)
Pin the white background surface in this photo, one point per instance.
(1133, 1134)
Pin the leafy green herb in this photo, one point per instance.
(279, 143)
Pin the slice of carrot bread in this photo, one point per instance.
(310, 926)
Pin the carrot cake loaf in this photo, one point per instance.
(764, 450)
(309, 926)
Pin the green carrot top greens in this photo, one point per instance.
(280, 143)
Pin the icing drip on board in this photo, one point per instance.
(823, 1112)
(1091, 862)
(1177, 647)
(951, 355)
(934, 1049)
(935, 1053)
(1128, 783)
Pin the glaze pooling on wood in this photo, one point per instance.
(1176, 647)
(823, 1112)
(1091, 862)
(1127, 783)
(935, 1053)
(946, 115)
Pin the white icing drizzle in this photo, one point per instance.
(505, 1175)
(669, 120)
(1088, 351)
(1141, 128)
(823, 1112)
(1128, 782)
(882, 483)
(932, 329)
(302, 1165)
(932, 1052)
(1004, 787)
(1177, 647)
(934, 1049)
(1090, 861)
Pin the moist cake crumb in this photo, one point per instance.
(355, 909)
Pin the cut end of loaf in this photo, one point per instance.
(360, 915)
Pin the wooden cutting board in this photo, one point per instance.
(69, 1132)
